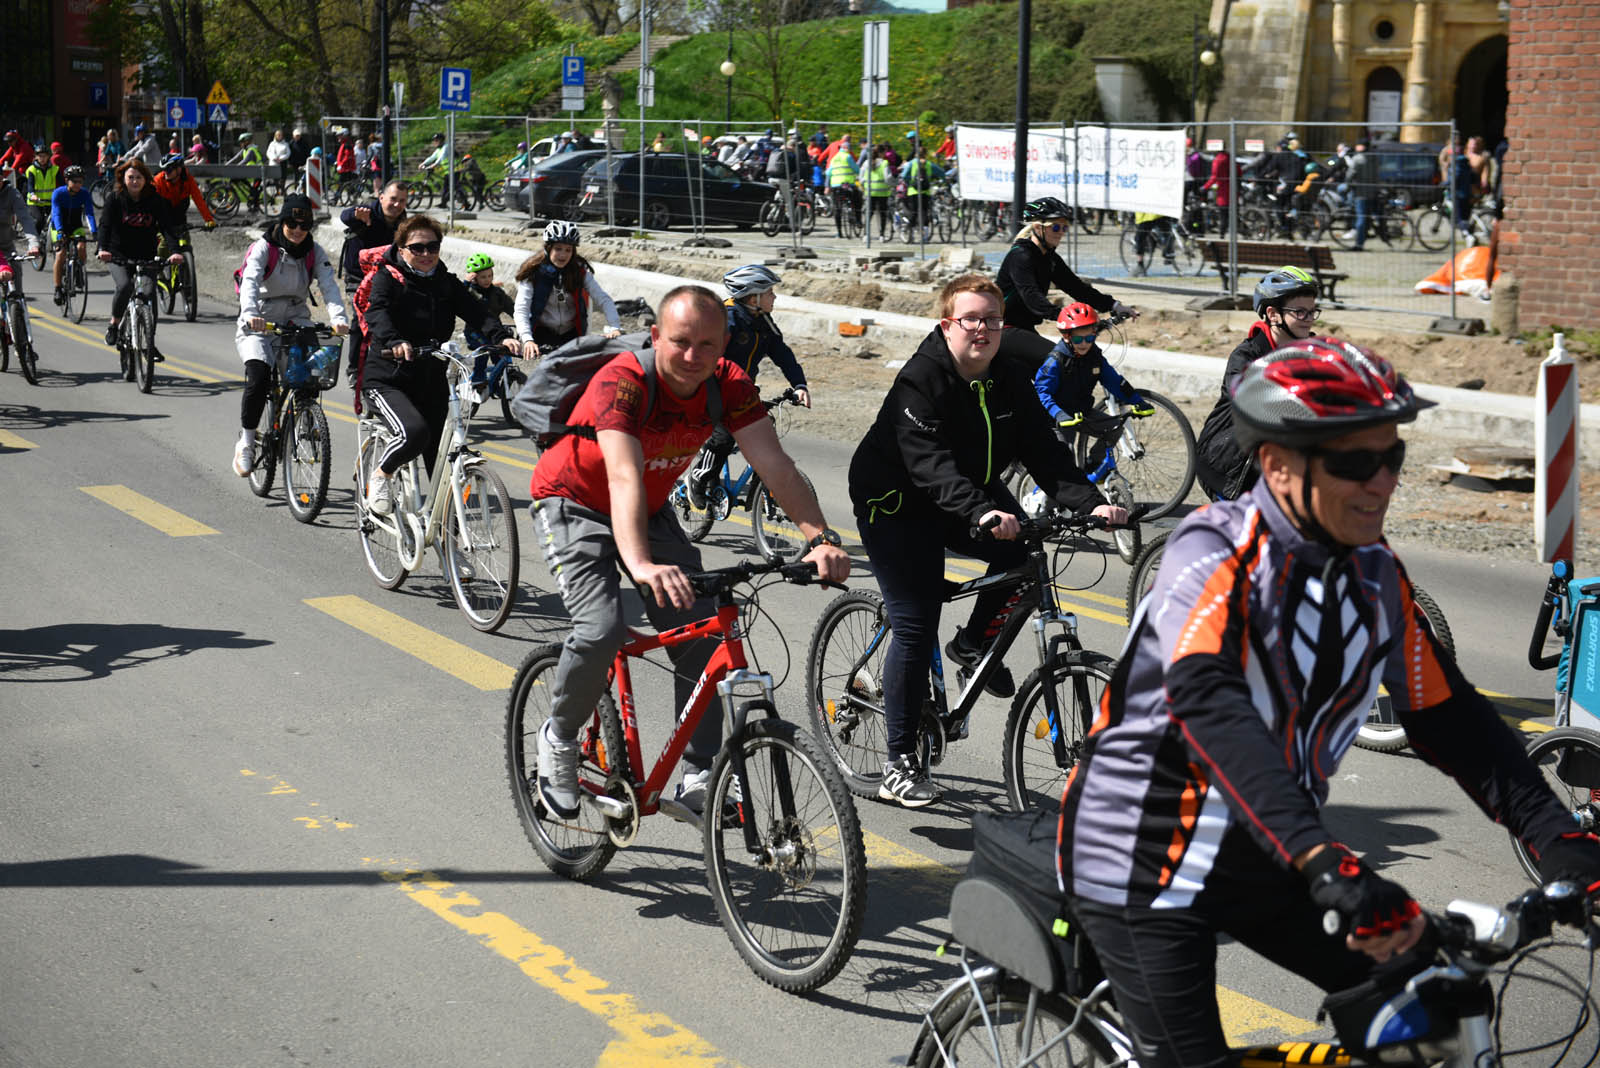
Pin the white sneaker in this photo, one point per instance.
(1348, 235)
(244, 457)
(379, 499)
(558, 773)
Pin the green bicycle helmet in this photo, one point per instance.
(1279, 286)
(478, 261)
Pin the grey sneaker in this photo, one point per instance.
(558, 774)
(905, 782)
(689, 802)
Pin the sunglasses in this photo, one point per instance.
(1081, 339)
(1055, 228)
(424, 248)
(1359, 465)
(293, 224)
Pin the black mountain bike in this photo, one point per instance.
(1050, 714)
(294, 427)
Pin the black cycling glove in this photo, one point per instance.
(1365, 904)
(1574, 858)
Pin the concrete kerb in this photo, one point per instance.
(1463, 414)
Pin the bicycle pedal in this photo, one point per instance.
(609, 807)
(681, 812)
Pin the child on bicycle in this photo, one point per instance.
(555, 288)
(1066, 380)
(479, 270)
(752, 337)
(273, 284)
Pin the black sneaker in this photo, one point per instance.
(699, 490)
(905, 782)
(1000, 684)
(61, 295)
(111, 335)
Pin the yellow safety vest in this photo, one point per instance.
(842, 169)
(878, 184)
(45, 180)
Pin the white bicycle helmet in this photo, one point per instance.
(561, 232)
(749, 280)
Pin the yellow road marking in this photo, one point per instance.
(493, 450)
(147, 511)
(9, 440)
(644, 1039)
(446, 654)
(1243, 1015)
(183, 367)
(72, 331)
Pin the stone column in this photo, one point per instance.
(1418, 104)
(1339, 74)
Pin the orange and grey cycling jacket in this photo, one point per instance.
(1249, 668)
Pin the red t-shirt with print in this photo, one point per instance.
(615, 400)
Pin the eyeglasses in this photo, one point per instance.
(1055, 228)
(1359, 465)
(1080, 339)
(1304, 315)
(970, 323)
(424, 248)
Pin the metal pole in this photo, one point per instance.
(386, 104)
(1077, 195)
(527, 164)
(1455, 209)
(644, 65)
(700, 177)
(450, 170)
(727, 114)
(866, 180)
(1194, 72)
(1019, 179)
(1233, 214)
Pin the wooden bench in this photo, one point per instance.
(1269, 255)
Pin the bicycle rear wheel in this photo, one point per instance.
(1126, 539)
(481, 552)
(167, 285)
(579, 848)
(1156, 456)
(1433, 229)
(969, 1030)
(144, 347)
(380, 535)
(844, 688)
(792, 904)
(1033, 778)
(223, 200)
(307, 459)
(771, 218)
(1128, 249)
(510, 385)
(777, 536)
(1143, 575)
(1569, 760)
(696, 522)
(5, 341)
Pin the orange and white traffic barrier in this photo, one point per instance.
(314, 182)
(1555, 446)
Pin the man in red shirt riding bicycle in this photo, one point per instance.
(600, 500)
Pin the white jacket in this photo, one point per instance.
(281, 296)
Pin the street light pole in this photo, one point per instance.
(385, 104)
(1201, 49)
(728, 68)
(1019, 158)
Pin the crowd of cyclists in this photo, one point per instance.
(1278, 610)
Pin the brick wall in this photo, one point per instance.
(1551, 233)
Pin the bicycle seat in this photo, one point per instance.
(988, 919)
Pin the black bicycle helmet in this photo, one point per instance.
(171, 159)
(1318, 388)
(1045, 208)
(1279, 286)
(74, 173)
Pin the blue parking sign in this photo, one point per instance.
(455, 89)
(572, 70)
(99, 96)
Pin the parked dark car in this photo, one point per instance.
(557, 184)
(1412, 170)
(677, 190)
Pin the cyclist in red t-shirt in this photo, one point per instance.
(600, 502)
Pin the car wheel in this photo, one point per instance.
(657, 216)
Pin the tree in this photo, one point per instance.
(771, 45)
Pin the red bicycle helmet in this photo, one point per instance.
(1318, 388)
(1079, 314)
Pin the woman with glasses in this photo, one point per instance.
(1286, 301)
(414, 303)
(926, 475)
(1025, 277)
(273, 285)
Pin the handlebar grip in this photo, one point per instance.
(1541, 629)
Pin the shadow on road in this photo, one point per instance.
(33, 417)
(73, 652)
(133, 869)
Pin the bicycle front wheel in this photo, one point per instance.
(844, 688)
(1433, 229)
(1143, 576)
(481, 549)
(792, 896)
(696, 522)
(79, 300)
(223, 200)
(1156, 456)
(777, 536)
(1033, 777)
(380, 535)
(266, 462)
(307, 452)
(1126, 539)
(190, 291)
(969, 1030)
(144, 347)
(581, 847)
(1128, 249)
(1382, 732)
(17, 327)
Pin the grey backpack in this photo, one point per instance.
(560, 377)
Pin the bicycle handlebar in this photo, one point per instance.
(788, 396)
(722, 579)
(1493, 935)
(285, 328)
(1047, 526)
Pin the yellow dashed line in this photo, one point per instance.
(446, 654)
(147, 511)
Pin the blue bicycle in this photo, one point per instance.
(777, 537)
(504, 380)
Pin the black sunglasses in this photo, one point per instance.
(424, 248)
(1359, 465)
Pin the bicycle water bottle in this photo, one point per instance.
(325, 366)
(294, 370)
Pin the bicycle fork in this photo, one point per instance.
(776, 852)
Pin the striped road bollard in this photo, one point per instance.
(1555, 487)
(314, 182)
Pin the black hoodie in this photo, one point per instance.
(1223, 469)
(421, 310)
(1024, 278)
(940, 445)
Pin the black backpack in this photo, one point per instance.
(559, 379)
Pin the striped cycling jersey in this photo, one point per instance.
(1248, 670)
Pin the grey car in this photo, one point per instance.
(557, 184)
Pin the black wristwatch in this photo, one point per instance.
(829, 536)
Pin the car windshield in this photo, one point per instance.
(603, 168)
(715, 170)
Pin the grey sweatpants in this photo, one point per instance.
(581, 552)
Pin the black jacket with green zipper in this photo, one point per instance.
(940, 445)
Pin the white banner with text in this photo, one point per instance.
(1113, 168)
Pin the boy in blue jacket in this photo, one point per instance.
(1065, 381)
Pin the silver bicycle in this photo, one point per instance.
(466, 514)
